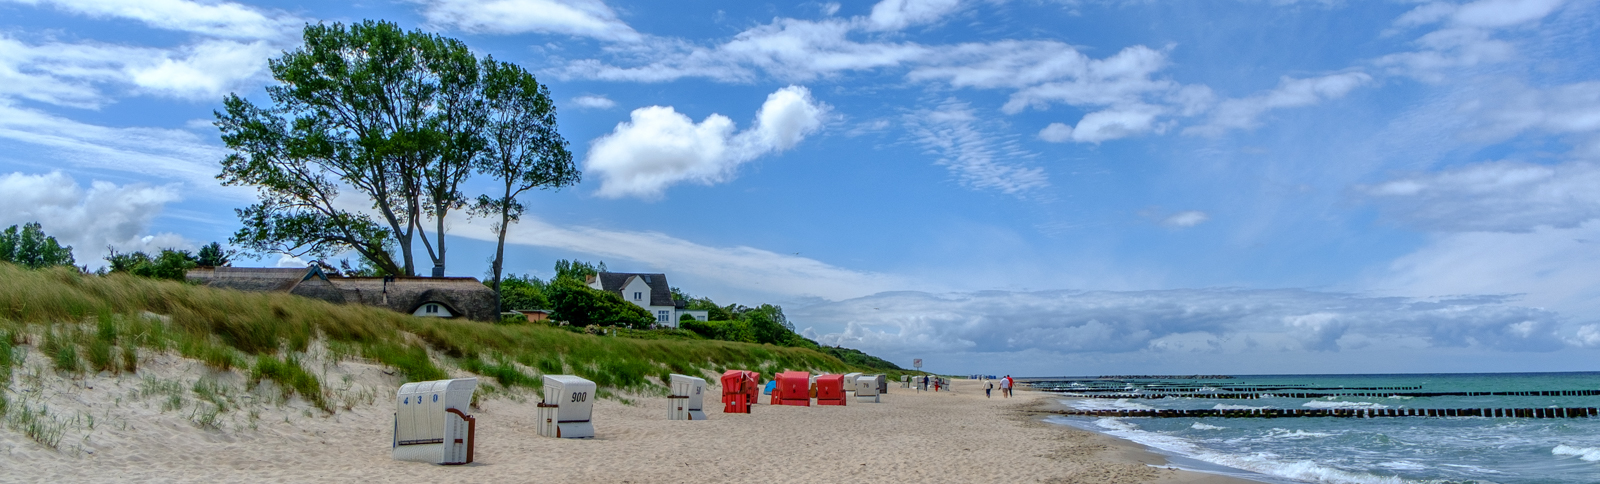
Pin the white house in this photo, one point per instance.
(649, 291)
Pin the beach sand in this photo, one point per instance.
(955, 436)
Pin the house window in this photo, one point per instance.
(433, 309)
(661, 316)
(638, 296)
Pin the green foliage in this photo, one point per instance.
(522, 292)
(213, 255)
(577, 270)
(581, 305)
(170, 264)
(291, 377)
(31, 248)
(522, 151)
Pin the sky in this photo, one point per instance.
(1024, 187)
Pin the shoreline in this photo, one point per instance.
(1123, 450)
(954, 436)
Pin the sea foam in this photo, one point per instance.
(1590, 454)
(1327, 404)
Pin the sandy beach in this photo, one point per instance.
(958, 436)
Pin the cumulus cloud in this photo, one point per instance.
(1228, 321)
(899, 14)
(1503, 196)
(88, 219)
(216, 19)
(584, 18)
(978, 157)
(1291, 93)
(661, 147)
(594, 102)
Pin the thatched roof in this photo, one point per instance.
(463, 296)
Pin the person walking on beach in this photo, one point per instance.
(988, 386)
(1005, 386)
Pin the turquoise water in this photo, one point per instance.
(1379, 450)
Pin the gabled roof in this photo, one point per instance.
(660, 291)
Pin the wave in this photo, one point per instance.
(1327, 404)
(1264, 463)
(1103, 404)
(1201, 426)
(1590, 454)
(1224, 406)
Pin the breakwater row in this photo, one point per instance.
(1342, 412)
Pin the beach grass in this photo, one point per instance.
(95, 323)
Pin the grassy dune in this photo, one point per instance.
(86, 323)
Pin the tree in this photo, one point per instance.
(31, 248)
(212, 255)
(577, 270)
(581, 305)
(170, 264)
(523, 292)
(387, 113)
(523, 151)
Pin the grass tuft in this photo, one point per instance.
(291, 377)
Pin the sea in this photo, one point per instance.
(1385, 450)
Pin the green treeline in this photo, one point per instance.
(572, 301)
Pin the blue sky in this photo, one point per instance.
(1004, 186)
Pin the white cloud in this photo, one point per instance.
(1503, 196)
(71, 74)
(1467, 37)
(660, 147)
(1291, 93)
(1186, 219)
(740, 269)
(899, 14)
(594, 102)
(1056, 133)
(585, 18)
(88, 220)
(1227, 321)
(830, 8)
(169, 154)
(1552, 267)
(972, 152)
(1119, 122)
(216, 19)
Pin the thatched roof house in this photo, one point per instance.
(446, 297)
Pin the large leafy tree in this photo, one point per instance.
(523, 151)
(393, 115)
(30, 247)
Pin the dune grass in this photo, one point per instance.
(101, 323)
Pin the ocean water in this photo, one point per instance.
(1378, 450)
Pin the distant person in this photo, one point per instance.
(988, 387)
(1005, 386)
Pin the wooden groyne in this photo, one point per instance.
(1258, 396)
(1342, 412)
